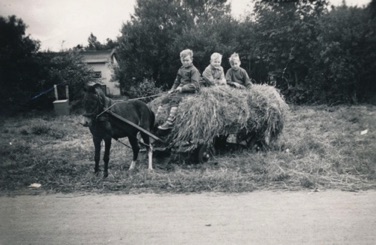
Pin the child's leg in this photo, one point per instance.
(174, 102)
(159, 110)
(165, 103)
(170, 120)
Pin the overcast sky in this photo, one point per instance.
(62, 24)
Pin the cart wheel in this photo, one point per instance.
(203, 154)
(219, 143)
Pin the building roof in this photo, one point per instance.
(97, 56)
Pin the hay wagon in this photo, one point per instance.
(206, 120)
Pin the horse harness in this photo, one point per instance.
(100, 103)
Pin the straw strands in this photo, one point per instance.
(254, 116)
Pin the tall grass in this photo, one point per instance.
(320, 148)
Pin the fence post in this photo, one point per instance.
(56, 95)
(61, 106)
(67, 92)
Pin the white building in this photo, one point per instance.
(102, 62)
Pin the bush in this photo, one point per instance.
(145, 88)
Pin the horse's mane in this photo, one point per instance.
(105, 100)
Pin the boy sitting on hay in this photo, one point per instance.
(236, 76)
(186, 82)
(213, 74)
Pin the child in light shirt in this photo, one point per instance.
(214, 75)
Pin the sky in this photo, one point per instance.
(63, 24)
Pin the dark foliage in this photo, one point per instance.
(313, 54)
(17, 64)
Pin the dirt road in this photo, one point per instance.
(329, 217)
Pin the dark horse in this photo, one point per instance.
(104, 125)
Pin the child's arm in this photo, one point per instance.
(176, 83)
(222, 79)
(228, 78)
(194, 85)
(208, 77)
(247, 81)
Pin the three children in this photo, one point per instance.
(188, 78)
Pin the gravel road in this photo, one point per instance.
(327, 217)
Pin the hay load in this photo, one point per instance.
(254, 116)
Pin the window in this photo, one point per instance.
(97, 74)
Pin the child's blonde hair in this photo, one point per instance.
(185, 53)
(216, 56)
(234, 57)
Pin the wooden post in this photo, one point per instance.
(67, 91)
(56, 95)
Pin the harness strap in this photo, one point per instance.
(122, 143)
(123, 101)
(140, 142)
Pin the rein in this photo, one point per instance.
(99, 102)
(140, 142)
(94, 110)
(123, 101)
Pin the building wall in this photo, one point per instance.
(113, 87)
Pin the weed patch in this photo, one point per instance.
(320, 148)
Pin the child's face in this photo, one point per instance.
(216, 63)
(235, 64)
(186, 61)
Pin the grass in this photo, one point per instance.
(320, 148)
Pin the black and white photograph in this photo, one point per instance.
(188, 122)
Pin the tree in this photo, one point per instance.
(146, 47)
(372, 9)
(65, 69)
(285, 35)
(317, 55)
(17, 66)
(27, 76)
(94, 44)
(206, 11)
(320, 56)
(207, 38)
(150, 43)
(345, 61)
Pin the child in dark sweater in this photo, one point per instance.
(236, 76)
(186, 82)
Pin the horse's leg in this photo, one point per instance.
(150, 157)
(149, 148)
(106, 157)
(135, 148)
(97, 152)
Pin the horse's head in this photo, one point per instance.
(94, 104)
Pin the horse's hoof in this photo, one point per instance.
(105, 175)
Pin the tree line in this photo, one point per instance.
(312, 52)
